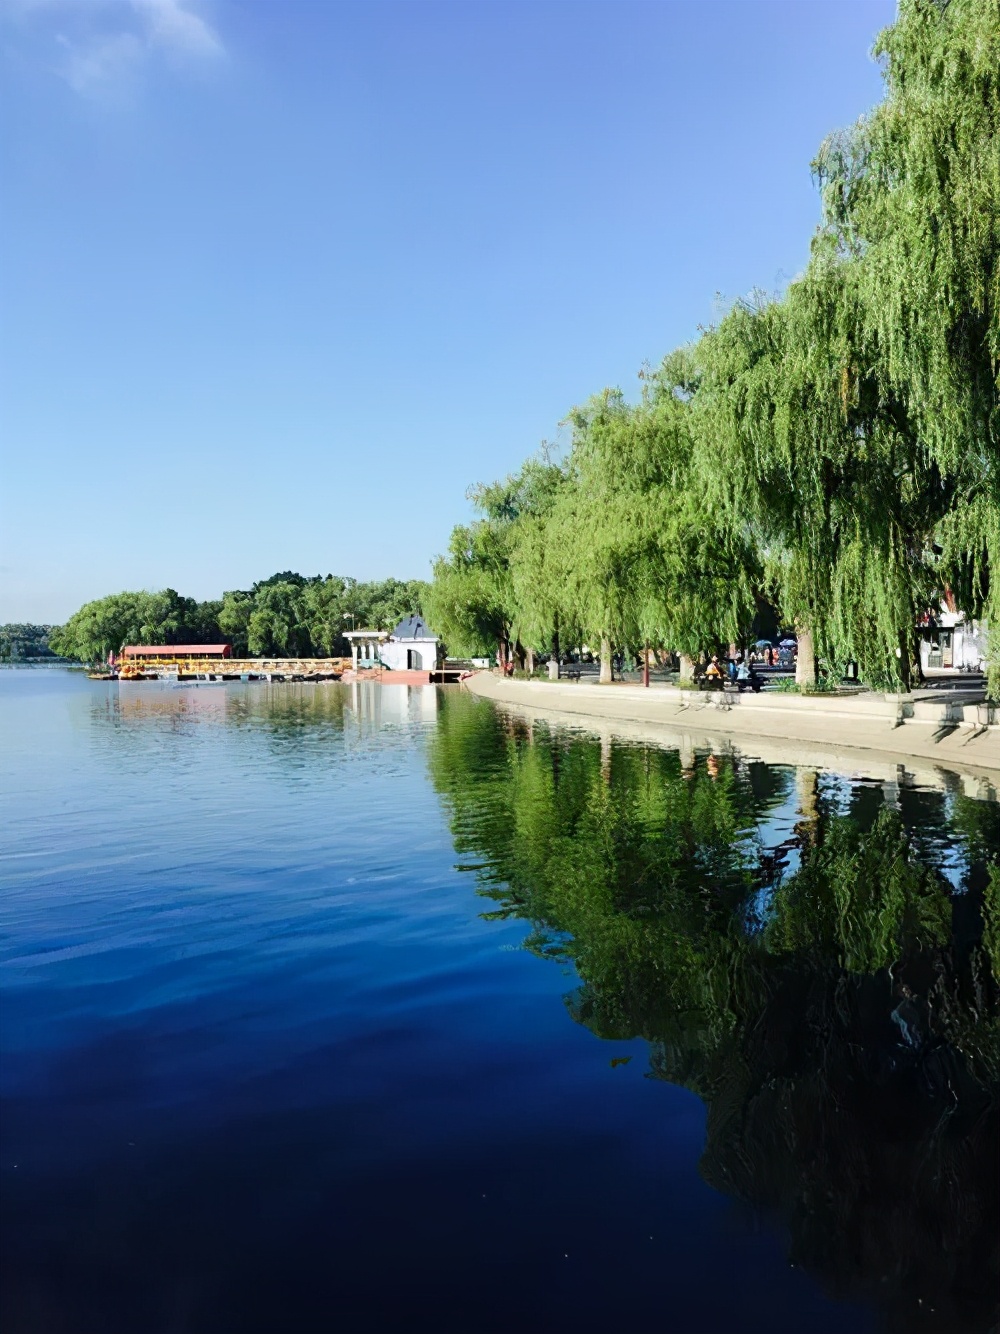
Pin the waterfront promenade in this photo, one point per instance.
(955, 731)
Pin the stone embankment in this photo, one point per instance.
(954, 730)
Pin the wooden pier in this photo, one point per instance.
(229, 669)
(212, 663)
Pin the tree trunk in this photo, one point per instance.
(645, 667)
(807, 782)
(530, 661)
(917, 671)
(805, 661)
(687, 754)
(519, 655)
(687, 667)
(607, 675)
(555, 637)
(903, 667)
(606, 757)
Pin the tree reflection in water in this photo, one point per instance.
(831, 995)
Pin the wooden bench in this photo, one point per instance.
(711, 682)
(724, 683)
(569, 673)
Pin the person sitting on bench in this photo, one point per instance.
(746, 677)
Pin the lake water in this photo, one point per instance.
(373, 1008)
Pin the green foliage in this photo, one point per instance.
(475, 601)
(277, 624)
(615, 858)
(641, 869)
(20, 641)
(469, 599)
(861, 897)
(913, 192)
(616, 544)
(991, 920)
(822, 461)
(646, 559)
(287, 615)
(103, 626)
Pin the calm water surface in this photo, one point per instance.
(376, 1009)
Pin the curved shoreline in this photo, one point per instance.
(849, 733)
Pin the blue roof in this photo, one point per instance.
(414, 627)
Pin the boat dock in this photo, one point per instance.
(215, 663)
(167, 668)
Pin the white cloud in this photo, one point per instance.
(100, 62)
(177, 28)
(102, 43)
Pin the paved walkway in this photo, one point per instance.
(935, 731)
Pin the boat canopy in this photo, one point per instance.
(177, 651)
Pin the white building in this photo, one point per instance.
(411, 647)
(952, 641)
(365, 646)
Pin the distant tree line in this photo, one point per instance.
(287, 615)
(834, 452)
(19, 641)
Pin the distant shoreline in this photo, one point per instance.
(860, 730)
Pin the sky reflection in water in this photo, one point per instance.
(270, 1061)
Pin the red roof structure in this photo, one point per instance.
(177, 651)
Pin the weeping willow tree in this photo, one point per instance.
(701, 575)
(753, 464)
(583, 561)
(542, 566)
(816, 448)
(472, 601)
(912, 194)
(632, 553)
(592, 539)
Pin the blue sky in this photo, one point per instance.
(278, 281)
